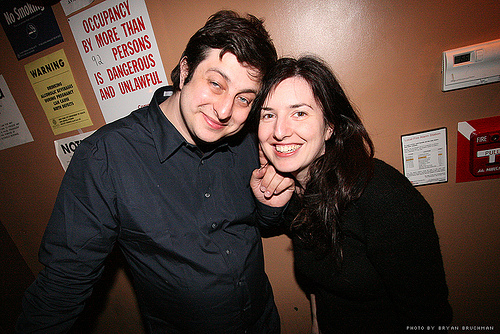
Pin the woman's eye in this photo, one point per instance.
(267, 116)
(300, 113)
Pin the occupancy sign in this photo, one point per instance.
(118, 47)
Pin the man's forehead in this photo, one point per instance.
(252, 71)
(227, 65)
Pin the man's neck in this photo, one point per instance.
(171, 109)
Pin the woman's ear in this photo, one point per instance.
(184, 71)
(328, 132)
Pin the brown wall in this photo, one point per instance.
(387, 53)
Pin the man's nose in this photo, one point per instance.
(224, 108)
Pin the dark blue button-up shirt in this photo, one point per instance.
(185, 220)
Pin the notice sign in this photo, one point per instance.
(118, 47)
(30, 28)
(13, 129)
(71, 6)
(424, 157)
(66, 147)
(55, 87)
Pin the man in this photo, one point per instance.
(170, 185)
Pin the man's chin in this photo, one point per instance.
(214, 138)
(207, 142)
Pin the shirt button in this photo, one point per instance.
(214, 226)
(207, 195)
(228, 251)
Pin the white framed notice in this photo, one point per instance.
(118, 48)
(13, 128)
(425, 159)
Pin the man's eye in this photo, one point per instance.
(244, 100)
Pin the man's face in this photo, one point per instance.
(216, 102)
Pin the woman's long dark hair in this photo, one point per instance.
(338, 177)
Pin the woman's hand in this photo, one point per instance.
(269, 186)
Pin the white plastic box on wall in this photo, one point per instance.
(472, 65)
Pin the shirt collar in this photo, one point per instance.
(166, 137)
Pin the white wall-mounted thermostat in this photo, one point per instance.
(472, 65)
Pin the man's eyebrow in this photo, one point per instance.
(215, 69)
(222, 74)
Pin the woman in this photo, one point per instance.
(365, 246)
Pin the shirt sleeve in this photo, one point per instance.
(80, 234)
(269, 217)
(403, 246)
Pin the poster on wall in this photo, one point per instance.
(66, 147)
(56, 90)
(118, 47)
(71, 6)
(424, 157)
(29, 28)
(478, 149)
(13, 129)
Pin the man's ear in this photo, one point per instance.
(184, 71)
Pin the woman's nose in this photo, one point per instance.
(281, 129)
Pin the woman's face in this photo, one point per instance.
(292, 129)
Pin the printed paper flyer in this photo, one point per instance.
(66, 147)
(13, 129)
(425, 157)
(71, 6)
(56, 89)
(118, 47)
(30, 28)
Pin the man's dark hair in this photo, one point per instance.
(245, 37)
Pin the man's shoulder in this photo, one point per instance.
(122, 126)
(141, 117)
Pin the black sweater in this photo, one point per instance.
(392, 272)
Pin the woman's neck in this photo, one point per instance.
(301, 177)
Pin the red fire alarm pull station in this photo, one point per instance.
(485, 153)
(481, 137)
